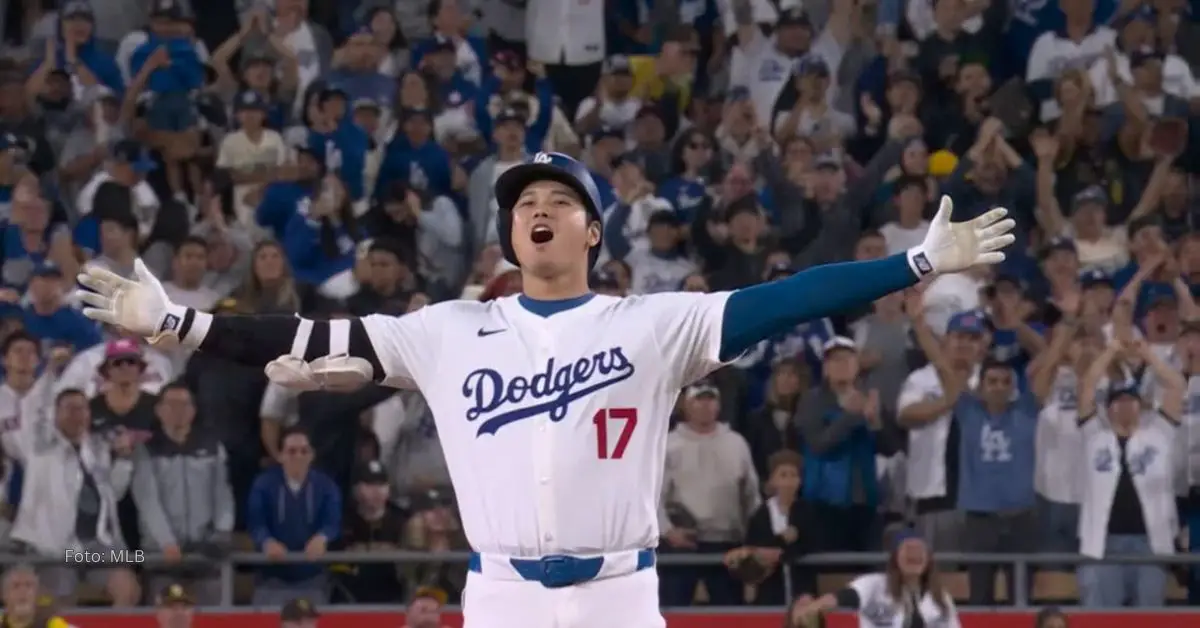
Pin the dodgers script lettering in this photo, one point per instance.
(557, 384)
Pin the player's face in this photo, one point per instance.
(552, 232)
(20, 593)
(22, 358)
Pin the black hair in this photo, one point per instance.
(908, 181)
(175, 384)
(681, 143)
(19, 335)
(990, 364)
(346, 218)
(68, 392)
(192, 240)
(293, 430)
(870, 233)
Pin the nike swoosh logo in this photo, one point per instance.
(488, 332)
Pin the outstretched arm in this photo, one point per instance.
(296, 351)
(762, 311)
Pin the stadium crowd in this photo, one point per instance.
(337, 158)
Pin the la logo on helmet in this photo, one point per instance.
(542, 158)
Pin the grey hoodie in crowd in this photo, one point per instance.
(711, 476)
(182, 492)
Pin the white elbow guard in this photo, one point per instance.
(336, 372)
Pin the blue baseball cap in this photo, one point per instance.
(250, 100)
(77, 8)
(968, 322)
(1091, 195)
(47, 269)
(510, 114)
(1060, 243)
(904, 534)
(811, 64)
(545, 166)
(133, 153)
(1094, 277)
(737, 93)
(607, 132)
(1124, 388)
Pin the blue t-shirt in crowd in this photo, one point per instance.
(996, 457)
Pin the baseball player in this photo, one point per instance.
(551, 405)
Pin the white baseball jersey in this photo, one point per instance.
(554, 428)
(1059, 475)
(877, 608)
(926, 470)
(17, 408)
(1150, 454)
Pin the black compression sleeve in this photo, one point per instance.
(257, 340)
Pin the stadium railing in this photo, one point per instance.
(1021, 564)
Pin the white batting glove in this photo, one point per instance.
(139, 305)
(950, 247)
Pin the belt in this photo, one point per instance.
(558, 570)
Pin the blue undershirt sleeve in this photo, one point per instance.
(759, 312)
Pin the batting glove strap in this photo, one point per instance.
(181, 326)
(919, 262)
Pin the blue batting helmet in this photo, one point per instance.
(544, 167)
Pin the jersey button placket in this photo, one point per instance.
(543, 452)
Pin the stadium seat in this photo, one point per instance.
(1055, 587)
(957, 585)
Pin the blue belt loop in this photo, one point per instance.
(557, 571)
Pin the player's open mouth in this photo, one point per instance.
(541, 234)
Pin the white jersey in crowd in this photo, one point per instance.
(569, 32)
(1058, 477)
(17, 409)
(1052, 54)
(1188, 467)
(878, 609)
(655, 273)
(83, 372)
(1177, 79)
(239, 153)
(759, 66)
(926, 472)
(1150, 455)
(554, 428)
